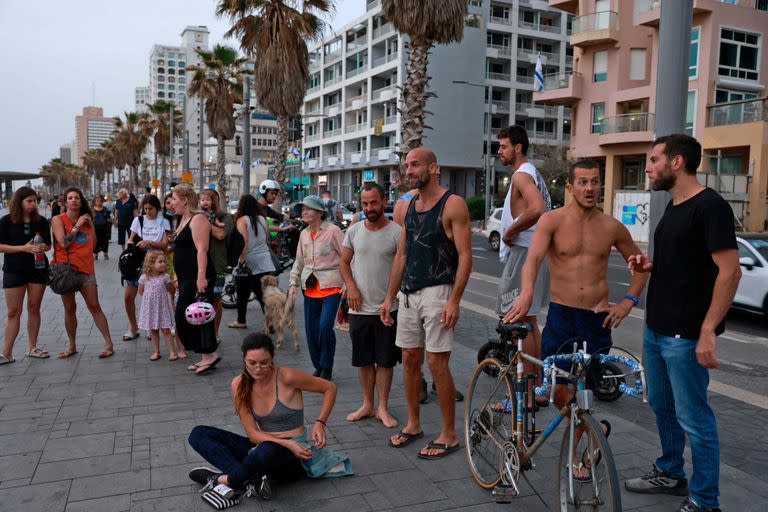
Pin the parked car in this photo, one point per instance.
(389, 209)
(492, 229)
(752, 293)
(232, 207)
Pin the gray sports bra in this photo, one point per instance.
(281, 418)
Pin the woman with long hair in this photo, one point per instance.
(102, 223)
(195, 274)
(316, 272)
(256, 256)
(148, 231)
(269, 400)
(73, 233)
(21, 276)
(173, 221)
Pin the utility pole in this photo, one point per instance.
(170, 131)
(671, 86)
(201, 143)
(185, 143)
(247, 135)
(488, 154)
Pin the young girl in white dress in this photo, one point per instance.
(156, 311)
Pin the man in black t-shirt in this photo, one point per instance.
(694, 276)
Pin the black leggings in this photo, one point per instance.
(102, 240)
(246, 285)
(197, 338)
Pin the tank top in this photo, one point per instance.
(185, 256)
(281, 418)
(432, 258)
(80, 250)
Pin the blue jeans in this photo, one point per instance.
(677, 393)
(241, 460)
(319, 319)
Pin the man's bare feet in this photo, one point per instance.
(385, 418)
(362, 413)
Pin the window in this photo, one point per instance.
(690, 113)
(726, 96)
(160, 86)
(600, 66)
(637, 64)
(728, 164)
(739, 54)
(598, 114)
(161, 94)
(761, 5)
(693, 56)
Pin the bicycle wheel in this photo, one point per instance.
(488, 427)
(600, 489)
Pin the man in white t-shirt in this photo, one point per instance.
(527, 200)
(368, 250)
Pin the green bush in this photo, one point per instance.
(476, 207)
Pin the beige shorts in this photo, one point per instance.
(418, 319)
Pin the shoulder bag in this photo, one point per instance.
(62, 278)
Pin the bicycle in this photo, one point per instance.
(501, 437)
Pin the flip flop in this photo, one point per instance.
(67, 353)
(155, 357)
(38, 353)
(106, 353)
(237, 325)
(409, 438)
(193, 367)
(599, 456)
(6, 360)
(433, 445)
(205, 368)
(173, 358)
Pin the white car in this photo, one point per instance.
(492, 229)
(752, 293)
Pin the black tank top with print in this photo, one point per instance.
(432, 258)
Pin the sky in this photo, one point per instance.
(58, 52)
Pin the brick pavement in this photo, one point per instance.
(85, 434)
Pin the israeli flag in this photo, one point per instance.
(295, 152)
(538, 75)
(306, 155)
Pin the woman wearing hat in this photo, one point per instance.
(316, 271)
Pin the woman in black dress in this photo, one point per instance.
(196, 276)
(102, 223)
(20, 275)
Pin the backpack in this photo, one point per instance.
(132, 258)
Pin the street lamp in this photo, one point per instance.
(489, 89)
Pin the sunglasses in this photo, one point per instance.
(27, 230)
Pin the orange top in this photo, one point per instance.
(80, 251)
(316, 292)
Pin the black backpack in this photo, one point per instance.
(132, 258)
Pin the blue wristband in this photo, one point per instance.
(634, 299)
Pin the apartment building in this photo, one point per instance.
(612, 91)
(92, 129)
(352, 127)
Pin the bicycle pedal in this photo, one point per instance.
(504, 493)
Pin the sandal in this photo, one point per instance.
(6, 360)
(193, 367)
(107, 352)
(128, 336)
(38, 353)
(409, 438)
(433, 445)
(155, 357)
(205, 368)
(599, 455)
(237, 325)
(67, 353)
(173, 358)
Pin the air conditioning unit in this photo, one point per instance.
(384, 154)
(386, 95)
(358, 103)
(355, 158)
(333, 111)
(333, 160)
(312, 164)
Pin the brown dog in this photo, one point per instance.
(278, 311)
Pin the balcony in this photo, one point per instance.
(500, 106)
(331, 81)
(522, 108)
(385, 59)
(570, 6)
(311, 138)
(357, 44)
(549, 138)
(503, 77)
(524, 80)
(500, 21)
(532, 55)
(333, 161)
(353, 159)
(357, 101)
(498, 50)
(332, 110)
(384, 94)
(650, 10)
(313, 89)
(738, 112)
(539, 27)
(382, 30)
(561, 89)
(357, 71)
(329, 57)
(352, 128)
(595, 28)
(386, 120)
(332, 133)
(627, 128)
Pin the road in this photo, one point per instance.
(742, 349)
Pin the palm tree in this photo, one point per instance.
(131, 137)
(276, 32)
(58, 175)
(159, 124)
(113, 158)
(218, 81)
(96, 164)
(426, 22)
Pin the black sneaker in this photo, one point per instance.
(202, 475)
(657, 482)
(459, 394)
(423, 395)
(690, 506)
(262, 489)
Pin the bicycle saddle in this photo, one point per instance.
(513, 330)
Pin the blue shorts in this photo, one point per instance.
(566, 325)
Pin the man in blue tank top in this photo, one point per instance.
(431, 270)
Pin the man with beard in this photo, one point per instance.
(577, 241)
(694, 276)
(369, 247)
(431, 269)
(527, 199)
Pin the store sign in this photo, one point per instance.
(368, 175)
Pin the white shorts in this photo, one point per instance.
(418, 319)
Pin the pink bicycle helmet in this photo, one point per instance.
(199, 313)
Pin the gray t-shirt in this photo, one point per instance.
(371, 264)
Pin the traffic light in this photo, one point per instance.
(295, 128)
(358, 188)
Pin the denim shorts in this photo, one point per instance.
(218, 287)
(130, 282)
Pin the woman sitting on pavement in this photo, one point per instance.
(148, 231)
(20, 276)
(73, 232)
(269, 402)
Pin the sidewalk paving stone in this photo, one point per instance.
(85, 434)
